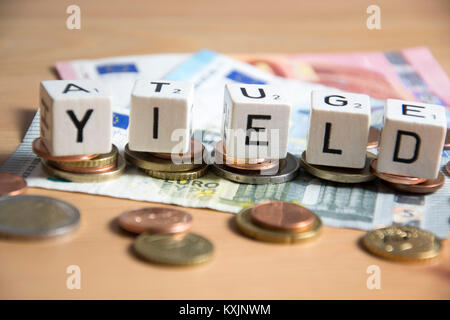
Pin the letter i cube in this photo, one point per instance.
(338, 129)
(412, 139)
(255, 121)
(161, 116)
(76, 117)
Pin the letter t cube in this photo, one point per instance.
(161, 116)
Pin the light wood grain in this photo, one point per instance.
(33, 36)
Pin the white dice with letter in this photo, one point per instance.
(338, 129)
(76, 117)
(255, 121)
(412, 139)
(161, 116)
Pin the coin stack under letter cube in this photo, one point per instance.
(412, 139)
(338, 129)
(160, 142)
(75, 132)
(76, 117)
(255, 128)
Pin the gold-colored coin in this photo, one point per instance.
(403, 243)
(246, 225)
(99, 161)
(178, 249)
(337, 174)
(184, 175)
(86, 177)
(145, 160)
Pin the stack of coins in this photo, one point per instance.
(338, 174)
(254, 171)
(26, 216)
(164, 236)
(81, 168)
(409, 184)
(280, 222)
(170, 166)
(403, 243)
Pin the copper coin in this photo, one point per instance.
(266, 165)
(282, 216)
(430, 185)
(156, 220)
(393, 178)
(374, 138)
(196, 150)
(222, 158)
(447, 167)
(447, 140)
(99, 169)
(40, 149)
(11, 184)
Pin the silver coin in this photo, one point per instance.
(288, 170)
(36, 217)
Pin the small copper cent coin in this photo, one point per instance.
(223, 158)
(155, 220)
(11, 184)
(99, 169)
(374, 138)
(40, 149)
(447, 167)
(282, 216)
(429, 186)
(393, 178)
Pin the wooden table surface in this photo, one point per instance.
(33, 36)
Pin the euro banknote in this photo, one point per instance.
(362, 206)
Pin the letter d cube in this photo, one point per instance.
(412, 139)
(76, 117)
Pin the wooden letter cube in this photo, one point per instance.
(161, 116)
(412, 139)
(76, 117)
(338, 129)
(255, 121)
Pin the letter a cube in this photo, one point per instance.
(412, 139)
(76, 117)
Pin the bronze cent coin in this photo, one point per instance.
(99, 169)
(282, 216)
(447, 167)
(222, 157)
(393, 178)
(196, 150)
(40, 149)
(430, 185)
(155, 220)
(374, 138)
(11, 184)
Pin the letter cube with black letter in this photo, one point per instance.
(255, 121)
(161, 116)
(338, 129)
(76, 117)
(412, 139)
